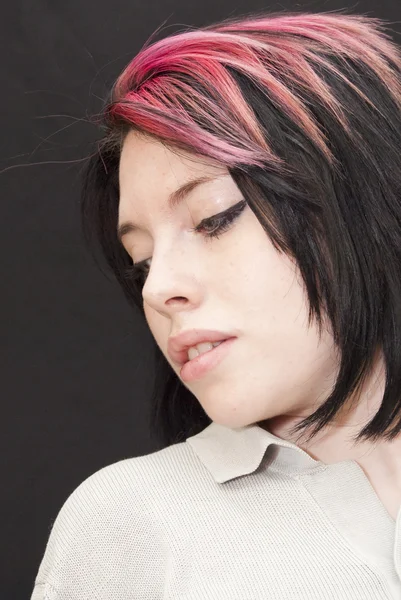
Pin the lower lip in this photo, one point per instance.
(197, 367)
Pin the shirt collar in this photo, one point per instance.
(229, 453)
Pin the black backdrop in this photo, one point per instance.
(75, 363)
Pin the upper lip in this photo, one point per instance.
(177, 346)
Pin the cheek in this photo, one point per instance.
(274, 303)
(265, 279)
(148, 313)
(159, 327)
(153, 320)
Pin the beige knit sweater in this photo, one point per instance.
(229, 514)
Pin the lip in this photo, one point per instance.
(200, 365)
(177, 346)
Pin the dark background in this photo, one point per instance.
(75, 361)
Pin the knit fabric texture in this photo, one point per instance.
(229, 514)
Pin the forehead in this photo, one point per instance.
(149, 169)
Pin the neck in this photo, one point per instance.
(380, 460)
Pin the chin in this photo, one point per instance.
(230, 421)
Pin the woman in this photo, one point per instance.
(246, 194)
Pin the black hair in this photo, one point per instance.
(340, 220)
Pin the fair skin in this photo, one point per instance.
(239, 283)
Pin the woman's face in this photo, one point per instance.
(236, 283)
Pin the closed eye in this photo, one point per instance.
(222, 221)
(219, 223)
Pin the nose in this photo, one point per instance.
(172, 283)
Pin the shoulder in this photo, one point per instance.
(128, 485)
(106, 524)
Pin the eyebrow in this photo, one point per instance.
(173, 200)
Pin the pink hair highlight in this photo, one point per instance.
(158, 92)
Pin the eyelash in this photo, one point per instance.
(224, 222)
